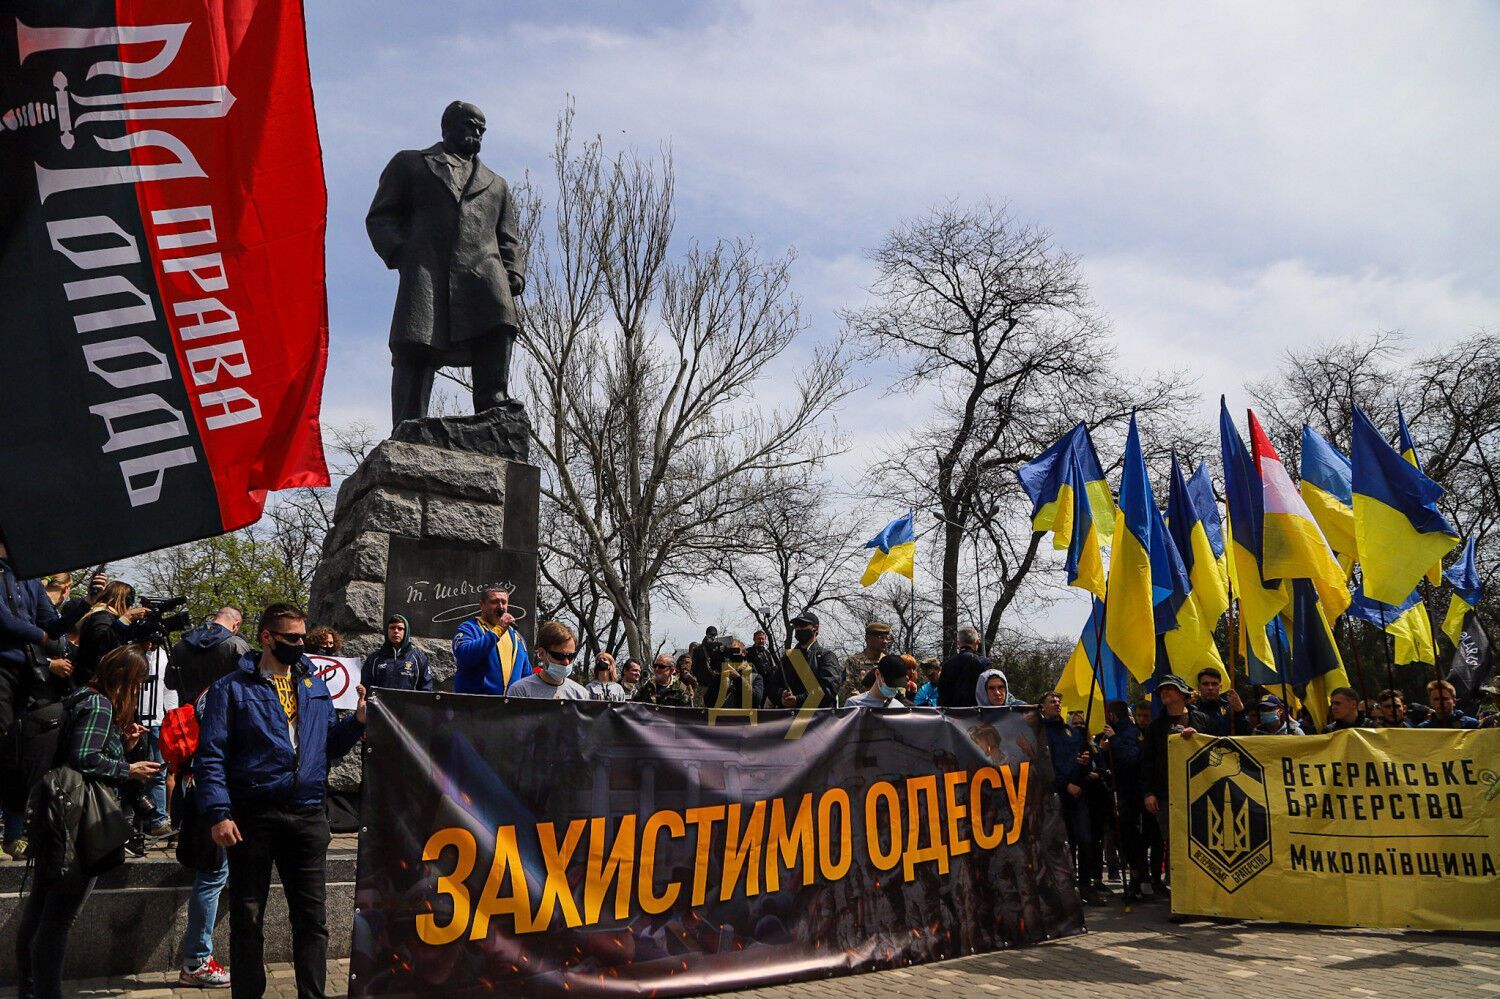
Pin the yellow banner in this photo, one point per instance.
(1364, 827)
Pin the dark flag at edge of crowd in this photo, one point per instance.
(161, 263)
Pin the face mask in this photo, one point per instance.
(558, 671)
(1270, 719)
(888, 692)
(287, 655)
(803, 635)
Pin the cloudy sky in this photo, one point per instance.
(1238, 178)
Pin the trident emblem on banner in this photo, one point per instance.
(72, 111)
(1229, 827)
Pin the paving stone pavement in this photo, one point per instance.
(1136, 953)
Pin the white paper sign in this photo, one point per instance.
(342, 676)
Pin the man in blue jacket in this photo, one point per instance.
(266, 736)
(490, 651)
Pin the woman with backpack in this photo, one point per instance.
(100, 727)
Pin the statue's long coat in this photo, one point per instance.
(454, 249)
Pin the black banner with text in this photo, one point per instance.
(581, 847)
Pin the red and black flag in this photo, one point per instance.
(163, 315)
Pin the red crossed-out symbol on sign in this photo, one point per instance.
(333, 673)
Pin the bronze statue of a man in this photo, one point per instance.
(448, 224)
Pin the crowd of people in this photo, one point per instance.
(226, 747)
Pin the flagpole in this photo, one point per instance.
(1390, 673)
(1425, 588)
(1099, 616)
(1359, 669)
(1234, 622)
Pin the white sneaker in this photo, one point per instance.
(208, 975)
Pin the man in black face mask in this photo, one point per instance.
(808, 675)
(266, 736)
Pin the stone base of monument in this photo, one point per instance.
(444, 508)
(134, 920)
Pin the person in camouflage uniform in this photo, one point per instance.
(857, 667)
(664, 688)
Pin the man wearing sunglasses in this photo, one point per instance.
(556, 648)
(267, 733)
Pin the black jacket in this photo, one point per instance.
(960, 674)
(202, 656)
(1154, 761)
(405, 668)
(825, 667)
(100, 633)
(1218, 716)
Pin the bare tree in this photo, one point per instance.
(997, 324)
(644, 371)
(788, 551)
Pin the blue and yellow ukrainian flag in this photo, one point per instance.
(1464, 578)
(1317, 669)
(1409, 452)
(1147, 580)
(1190, 646)
(1292, 543)
(1407, 622)
(896, 550)
(1070, 498)
(1259, 603)
(1398, 529)
(1078, 677)
(1327, 488)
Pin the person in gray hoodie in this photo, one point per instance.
(985, 696)
(204, 654)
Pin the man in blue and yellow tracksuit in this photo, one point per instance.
(490, 651)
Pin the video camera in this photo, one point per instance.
(163, 616)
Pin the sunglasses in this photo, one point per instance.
(290, 637)
(562, 657)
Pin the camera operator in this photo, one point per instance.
(105, 627)
(724, 673)
(808, 672)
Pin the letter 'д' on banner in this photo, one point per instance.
(165, 324)
(1362, 827)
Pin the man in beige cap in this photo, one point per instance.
(858, 666)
